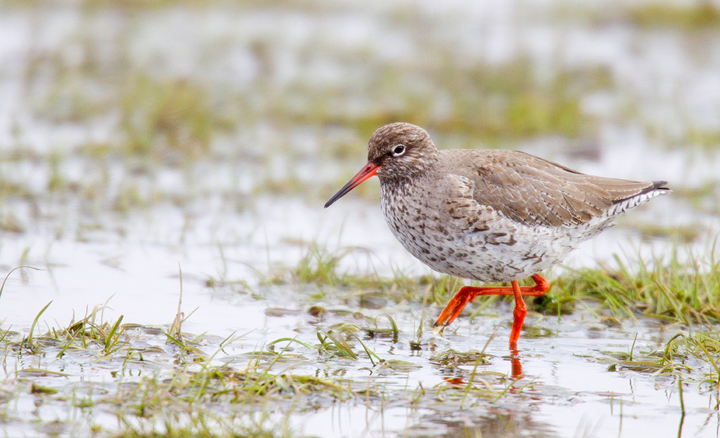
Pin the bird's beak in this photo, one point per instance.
(366, 172)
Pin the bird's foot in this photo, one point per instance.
(454, 307)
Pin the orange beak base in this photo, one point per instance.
(366, 172)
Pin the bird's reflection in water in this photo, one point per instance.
(515, 365)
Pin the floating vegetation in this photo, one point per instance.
(452, 358)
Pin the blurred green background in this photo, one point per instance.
(100, 96)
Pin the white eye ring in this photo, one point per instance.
(398, 150)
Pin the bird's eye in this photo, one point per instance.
(398, 150)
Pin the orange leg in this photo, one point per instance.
(467, 294)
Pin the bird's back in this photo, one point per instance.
(536, 192)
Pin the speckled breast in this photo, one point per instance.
(485, 246)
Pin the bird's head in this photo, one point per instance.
(395, 151)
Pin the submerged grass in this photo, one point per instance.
(212, 395)
(178, 398)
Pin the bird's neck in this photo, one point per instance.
(405, 177)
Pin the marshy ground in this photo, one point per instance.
(170, 270)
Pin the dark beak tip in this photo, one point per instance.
(366, 172)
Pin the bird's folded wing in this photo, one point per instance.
(533, 191)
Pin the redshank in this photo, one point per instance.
(489, 215)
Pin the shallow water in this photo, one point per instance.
(566, 389)
(105, 225)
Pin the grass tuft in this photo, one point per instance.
(666, 288)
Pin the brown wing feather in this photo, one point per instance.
(535, 191)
